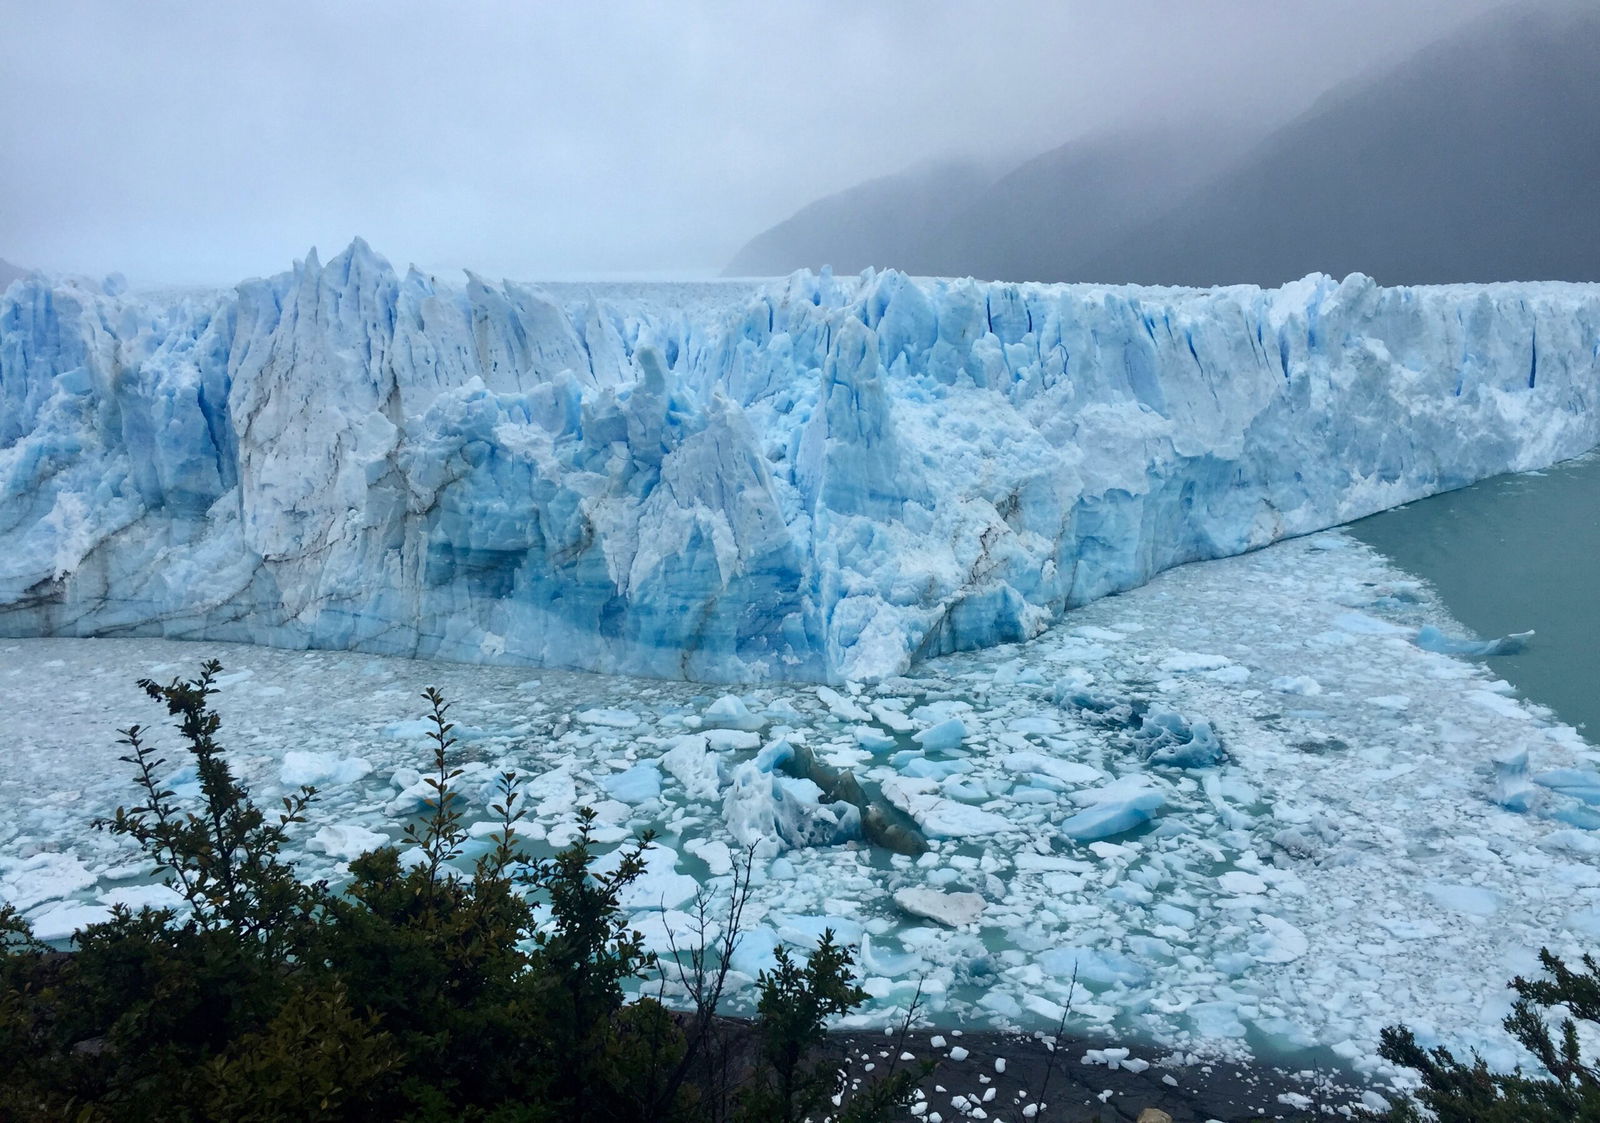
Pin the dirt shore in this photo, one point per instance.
(986, 1075)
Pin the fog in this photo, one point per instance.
(188, 143)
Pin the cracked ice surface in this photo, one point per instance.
(821, 479)
(1303, 892)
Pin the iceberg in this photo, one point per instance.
(822, 479)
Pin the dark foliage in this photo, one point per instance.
(419, 991)
(1456, 1092)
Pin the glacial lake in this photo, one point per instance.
(1512, 554)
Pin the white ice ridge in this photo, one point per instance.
(824, 479)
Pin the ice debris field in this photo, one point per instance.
(1253, 805)
(820, 479)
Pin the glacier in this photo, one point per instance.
(821, 478)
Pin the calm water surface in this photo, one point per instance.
(1512, 554)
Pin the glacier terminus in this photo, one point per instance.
(820, 478)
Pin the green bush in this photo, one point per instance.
(1455, 1092)
(416, 992)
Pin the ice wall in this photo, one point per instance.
(824, 479)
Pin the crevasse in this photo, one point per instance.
(825, 478)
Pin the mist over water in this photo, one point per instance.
(1511, 554)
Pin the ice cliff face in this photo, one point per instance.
(825, 479)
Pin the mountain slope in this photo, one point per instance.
(880, 221)
(1048, 216)
(1476, 160)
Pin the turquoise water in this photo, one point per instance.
(1511, 554)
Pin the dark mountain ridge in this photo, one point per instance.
(1476, 159)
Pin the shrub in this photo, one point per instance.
(418, 991)
(1455, 1092)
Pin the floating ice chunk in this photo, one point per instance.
(136, 897)
(749, 808)
(774, 755)
(953, 910)
(1500, 704)
(689, 761)
(1067, 771)
(772, 812)
(1213, 1020)
(1410, 928)
(1050, 1013)
(1281, 942)
(638, 784)
(1113, 809)
(782, 710)
(660, 886)
(937, 816)
(1296, 684)
(525, 829)
(730, 712)
(1584, 921)
(1473, 900)
(1240, 883)
(302, 769)
(891, 965)
(1430, 638)
(1074, 681)
(184, 783)
(1184, 662)
(922, 768)
(1359, 623)
(872, 740)
(60, 922)
(725, 740)
(1113, 817)
(666, 929)
(1395, 702)
(565, 832)
(1512, 789)
(609, 718)
(715, 853)
(1577, 841)
(840, 706)
(551, 794)
(1579, 783)
(1577, 815)
(1170, 739)
(755, 951)
(892, 718)
(1100, 967)
(43, 877)
(1001, 1004)
(1094, 632)
(421, 794)
(948, 734)
(346, 842)
(806, 931)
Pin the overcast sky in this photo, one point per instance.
(207, 142)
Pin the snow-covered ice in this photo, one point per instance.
(1299, 891)
(821, 479)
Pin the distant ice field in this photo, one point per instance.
(1388, 833)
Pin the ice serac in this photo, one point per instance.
(823, 479)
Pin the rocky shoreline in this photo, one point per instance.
(1000, 1076)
